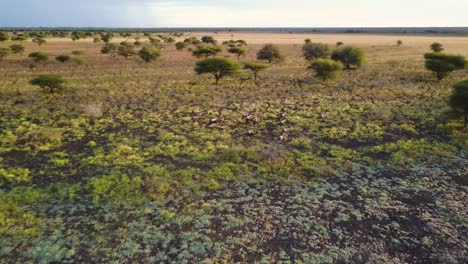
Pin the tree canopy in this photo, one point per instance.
(349, 56)
(218, 67)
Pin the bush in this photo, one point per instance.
(399, 43)
(349, 56)
(459, 99)
(270, 53)
(17, 49)
(149, 53)
(4, 36)
(51, 82)
(218, 67)
(442, 64)
(208, 40)
(109, 48)
(313, 51)
(126, 50)
(436, 47)
(205, 51)
(325, 68)
(4, 52)
(63, 58)
(255, 68)
(238, 51)
(39, 57)
(107, 37)
(39, 41)
(180, 45)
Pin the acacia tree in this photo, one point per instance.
(149, 53)
(238, 51)
(349, 56)
(208, 40)
(218, 67)
(325, 68)
(270, 53)
(443, 64)
(205, 51)
(315, 51)
(459, 99)
(17, 49)
(436, 47)
(255, 68)
(49, 82)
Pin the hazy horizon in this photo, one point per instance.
(234, 14)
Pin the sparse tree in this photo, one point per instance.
(218, 67)
(17, 49)
(349, 56)
(436, 47)
(49, 82)
(63, 58)
(255, 68)
(205, 51)
(149, 53)
(443, 64)
(77, 35)
(238, 51)
(270, 53)
(39, 57)
(4, 37)
(241, 43)
(20, 37)
(315, 51)
(96, 40)
(326, 68)
(459, 99)
(208, 40)
(4, 52)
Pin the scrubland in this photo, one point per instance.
(148, 162)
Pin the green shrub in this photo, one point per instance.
(51, 82)
(63, 58)
(349, 56)
(313, 51)
(218, 67)
(255, 68)
(4, 36)
(205, 51)
(17, 49)
(115, 189)
(443, 64)
(126, 50)
(325, 68)
(109, 48)
(238, 51)
(208, 40)
(4, 52)
(436, 47)
(270, 53)
(39, 57)
(149, 53)
(459, 99)
(180, 45)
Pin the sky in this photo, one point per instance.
(234, 13)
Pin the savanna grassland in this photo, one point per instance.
(140, 162)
